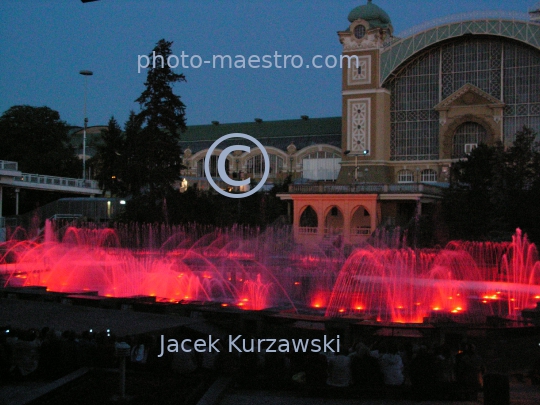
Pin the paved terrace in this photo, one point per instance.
(27, 314)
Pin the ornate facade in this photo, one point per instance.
(411, 106)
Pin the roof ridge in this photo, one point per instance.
(266, 122)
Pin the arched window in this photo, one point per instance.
(309, 219)
(405, 176)
(429, 176)
(213, 166)
(506, 69)
(361, 222)
(466, 138)
(334, 222)
(255, 165)
(321, 166)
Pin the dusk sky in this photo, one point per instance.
(45, 44)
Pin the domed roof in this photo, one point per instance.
(373, 14)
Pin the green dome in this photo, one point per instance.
(373, 14)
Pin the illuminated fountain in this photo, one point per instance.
(248, 269)
(409, 285)
(215, 267)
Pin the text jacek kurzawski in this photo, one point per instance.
(240, 344)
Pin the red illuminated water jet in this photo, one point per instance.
(251, 270)
(467, 281)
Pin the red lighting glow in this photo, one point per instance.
(177, 265)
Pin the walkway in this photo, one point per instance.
(520, 394)
(10, 176)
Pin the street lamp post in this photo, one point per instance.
(85, 73)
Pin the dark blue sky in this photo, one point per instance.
(45, 44)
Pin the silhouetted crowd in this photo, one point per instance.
(385, 367)
(424, 372)
(50, 354)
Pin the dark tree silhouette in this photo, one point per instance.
(153, 138)
(495, 190)
(38, 140)
(109, 161)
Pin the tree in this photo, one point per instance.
(521, 157)
(495, 190)
(521, 172)
(162, 118)
(108, 162)
(468, 203)
(38, 140)
(134, 173)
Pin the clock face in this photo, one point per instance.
(360, 31)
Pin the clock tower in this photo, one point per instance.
(366, 105)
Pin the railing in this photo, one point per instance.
(333, 231)
(66, 216)
(306, 230)
(361, 231)
(7, 165)
(414, 188)
(335, 189)
(58, 181)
